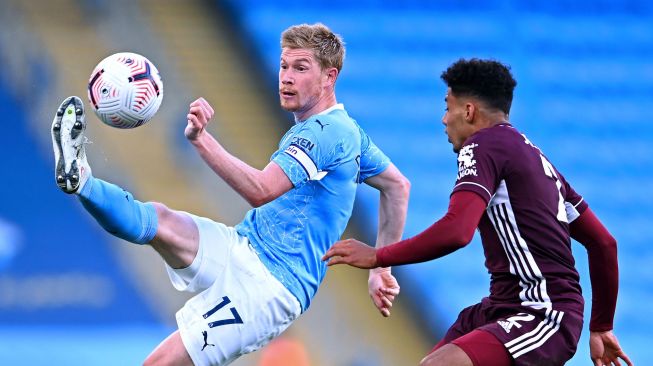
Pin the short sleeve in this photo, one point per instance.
(300, 156)
(479, 168)
(372, 160)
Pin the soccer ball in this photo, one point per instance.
(125, 90)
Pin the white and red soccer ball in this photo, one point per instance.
(125, 90)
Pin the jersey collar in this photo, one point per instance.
(332, 108)
(338, 106)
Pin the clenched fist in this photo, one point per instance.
(199, 115)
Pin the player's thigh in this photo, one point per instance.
(483, 349)
(170, 352)
(177, 236)
(477, 348)
(447, 355)
(217, 251)
(243, 309)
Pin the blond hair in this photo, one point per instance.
(328, 47)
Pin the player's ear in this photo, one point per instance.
(331, 76)
(470, 111)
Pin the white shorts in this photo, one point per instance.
(242, 306)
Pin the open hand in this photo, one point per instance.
(352, 252)
(605, 349)
(199, 115)
(383, 288)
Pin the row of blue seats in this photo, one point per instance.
(423, 25)
(562, 7)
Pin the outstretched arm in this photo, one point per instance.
(394, 191)
(255, 186)
(604, 276)
(450, 233)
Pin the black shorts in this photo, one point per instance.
(532, 337)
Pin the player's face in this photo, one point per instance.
(455, 126)
(300, 80)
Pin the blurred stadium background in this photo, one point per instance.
(71, 294)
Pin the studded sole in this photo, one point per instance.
(67, 175)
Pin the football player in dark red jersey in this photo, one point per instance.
(526, 213)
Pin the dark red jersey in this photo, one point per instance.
(525, 228)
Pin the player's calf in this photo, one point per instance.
(118, 212)
(115, 209)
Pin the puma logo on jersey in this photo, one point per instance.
(322, 125)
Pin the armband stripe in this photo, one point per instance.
(297, 153)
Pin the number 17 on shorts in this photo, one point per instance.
(236, 319)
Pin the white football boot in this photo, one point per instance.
(71, 168)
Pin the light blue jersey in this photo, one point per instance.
(325, 157)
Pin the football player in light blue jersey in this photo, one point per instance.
(255, 279)
(325, 157)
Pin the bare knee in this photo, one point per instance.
(165, 226)
(163, 212)
(177, 236)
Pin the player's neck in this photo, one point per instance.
(487, 120)
(325, 102)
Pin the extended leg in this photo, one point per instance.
(171, 233)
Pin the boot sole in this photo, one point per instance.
(66, 133)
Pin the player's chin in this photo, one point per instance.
(455, 147)
(289, 107)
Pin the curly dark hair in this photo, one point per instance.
(488, 80)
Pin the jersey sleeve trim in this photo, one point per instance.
(303, 159)
(458, 186)
(572, 213)
(380, 169)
